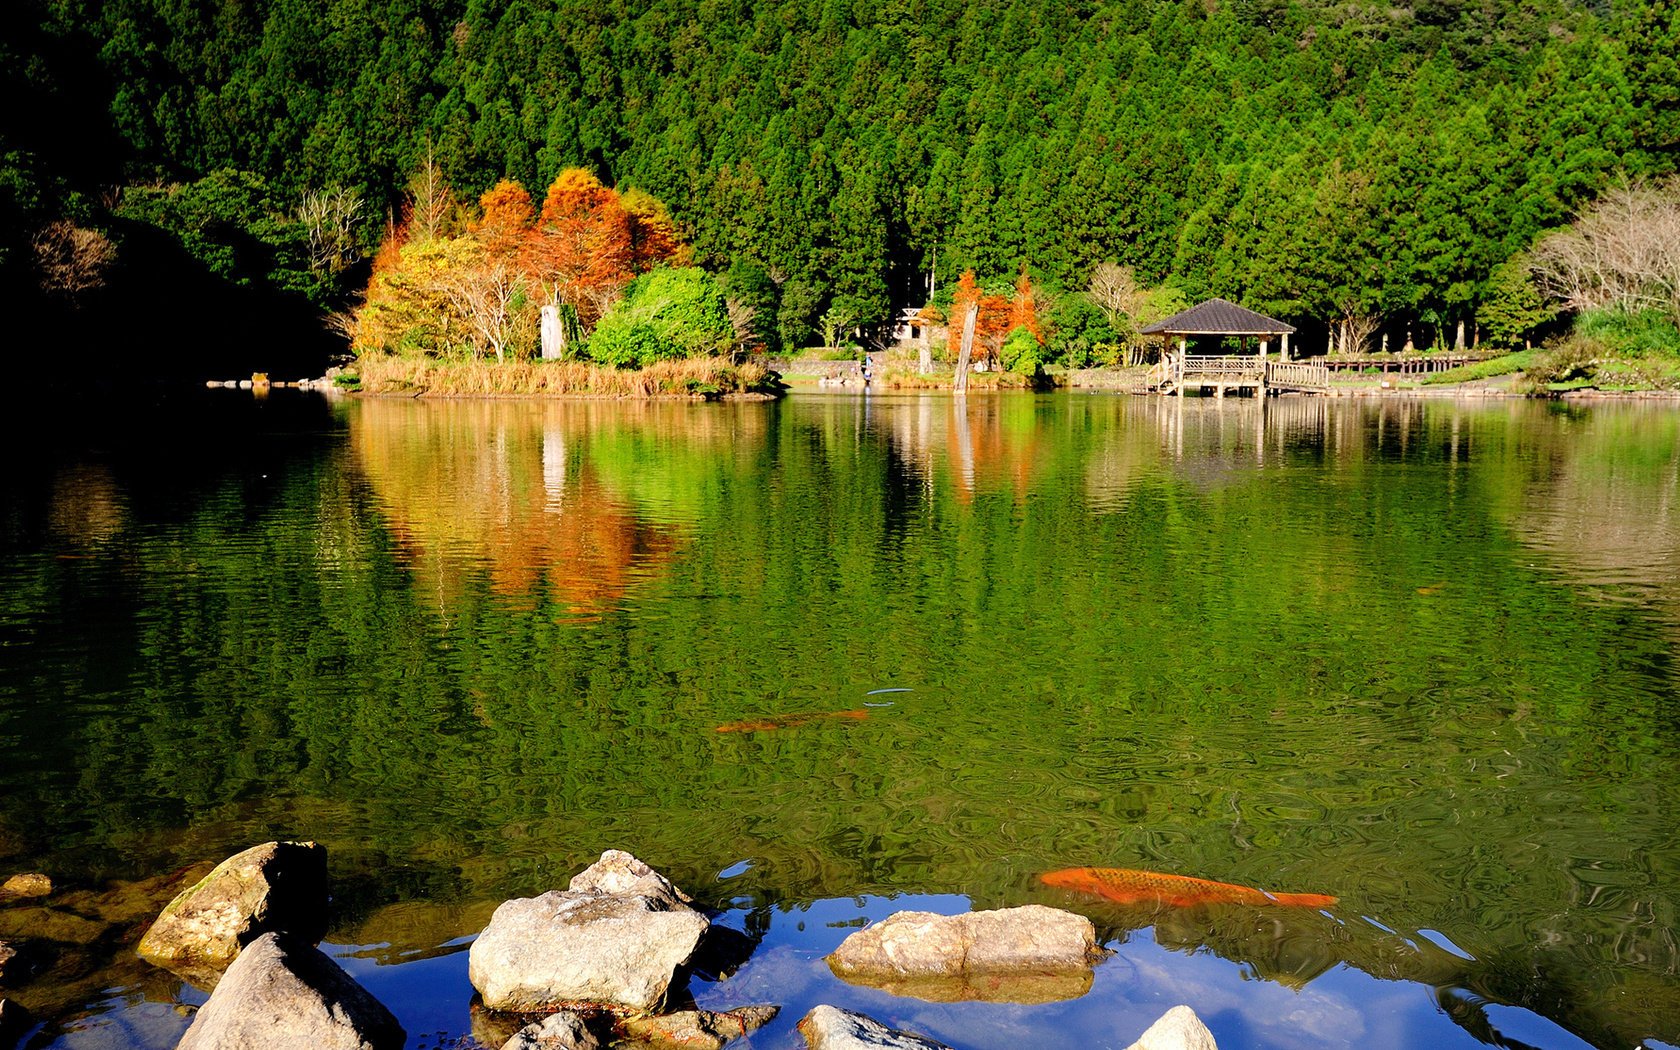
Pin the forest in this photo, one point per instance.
(1356, 168)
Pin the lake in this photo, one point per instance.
(828, 658)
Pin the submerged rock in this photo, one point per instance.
(14, 963)
(697, 1029)
(14, 1021)
(19, 887)
(561, 1031)
(831, 1028)
(283, 991)
(614, 938)
(277, 887)
(1177, 1029)
(1023, 987)
(919, 944)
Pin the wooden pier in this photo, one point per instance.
(1252, 374)
(1180, 370)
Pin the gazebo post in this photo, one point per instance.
(1285, 348)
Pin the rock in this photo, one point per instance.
(1008, 986)
(491, 1027)
(562, 1031)
(830, 1028)
(698, 1029)
(283, 991)
(618, 873)
(921, 944)
(51, 924)
(12, 966)
(1177, 1029)
(275, 887)
(615, 938)
(19, 887)
(14, 1021)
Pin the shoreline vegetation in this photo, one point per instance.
(693, 378)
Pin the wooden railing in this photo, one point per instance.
(1181, 370)
(1295, 374)
(1194, 368)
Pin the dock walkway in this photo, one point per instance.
(1258, 375)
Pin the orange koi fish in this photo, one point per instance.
(1126, 886)
(790, 721)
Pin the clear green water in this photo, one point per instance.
(1415, 654)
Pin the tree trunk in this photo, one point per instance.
(969, 322)
(1458, 340)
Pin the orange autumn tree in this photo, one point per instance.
(990, 325)
(479, 292)
(1022, 311)
(582, 251)
(505, 223)
(653, 236)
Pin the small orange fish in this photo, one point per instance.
(1126, 886)
(790, 721)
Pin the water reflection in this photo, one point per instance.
(583, 498)
(1419, 655)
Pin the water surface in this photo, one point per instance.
(1417, 655)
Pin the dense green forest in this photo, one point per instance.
(1321, 161)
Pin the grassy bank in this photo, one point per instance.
(699, 377)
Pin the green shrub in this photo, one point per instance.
(1629, 334)
(668, 313)
(1504, 365)
(1569, 361)
(1022, 353)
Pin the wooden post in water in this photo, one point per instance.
(969, 321)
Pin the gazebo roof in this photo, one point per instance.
(1218, 317)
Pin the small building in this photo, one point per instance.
(909, 328)
(1219, 372)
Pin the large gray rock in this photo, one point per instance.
(831, 1028)
(559, 1031)
(919, 944)
(284, 992)
(695, 1029)
(1178, 1029)
(613, 939)
(278, 887)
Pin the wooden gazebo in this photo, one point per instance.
(1220, 317)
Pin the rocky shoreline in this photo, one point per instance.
(578, 968)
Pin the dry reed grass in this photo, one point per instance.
(910, 379)
(693, 377)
